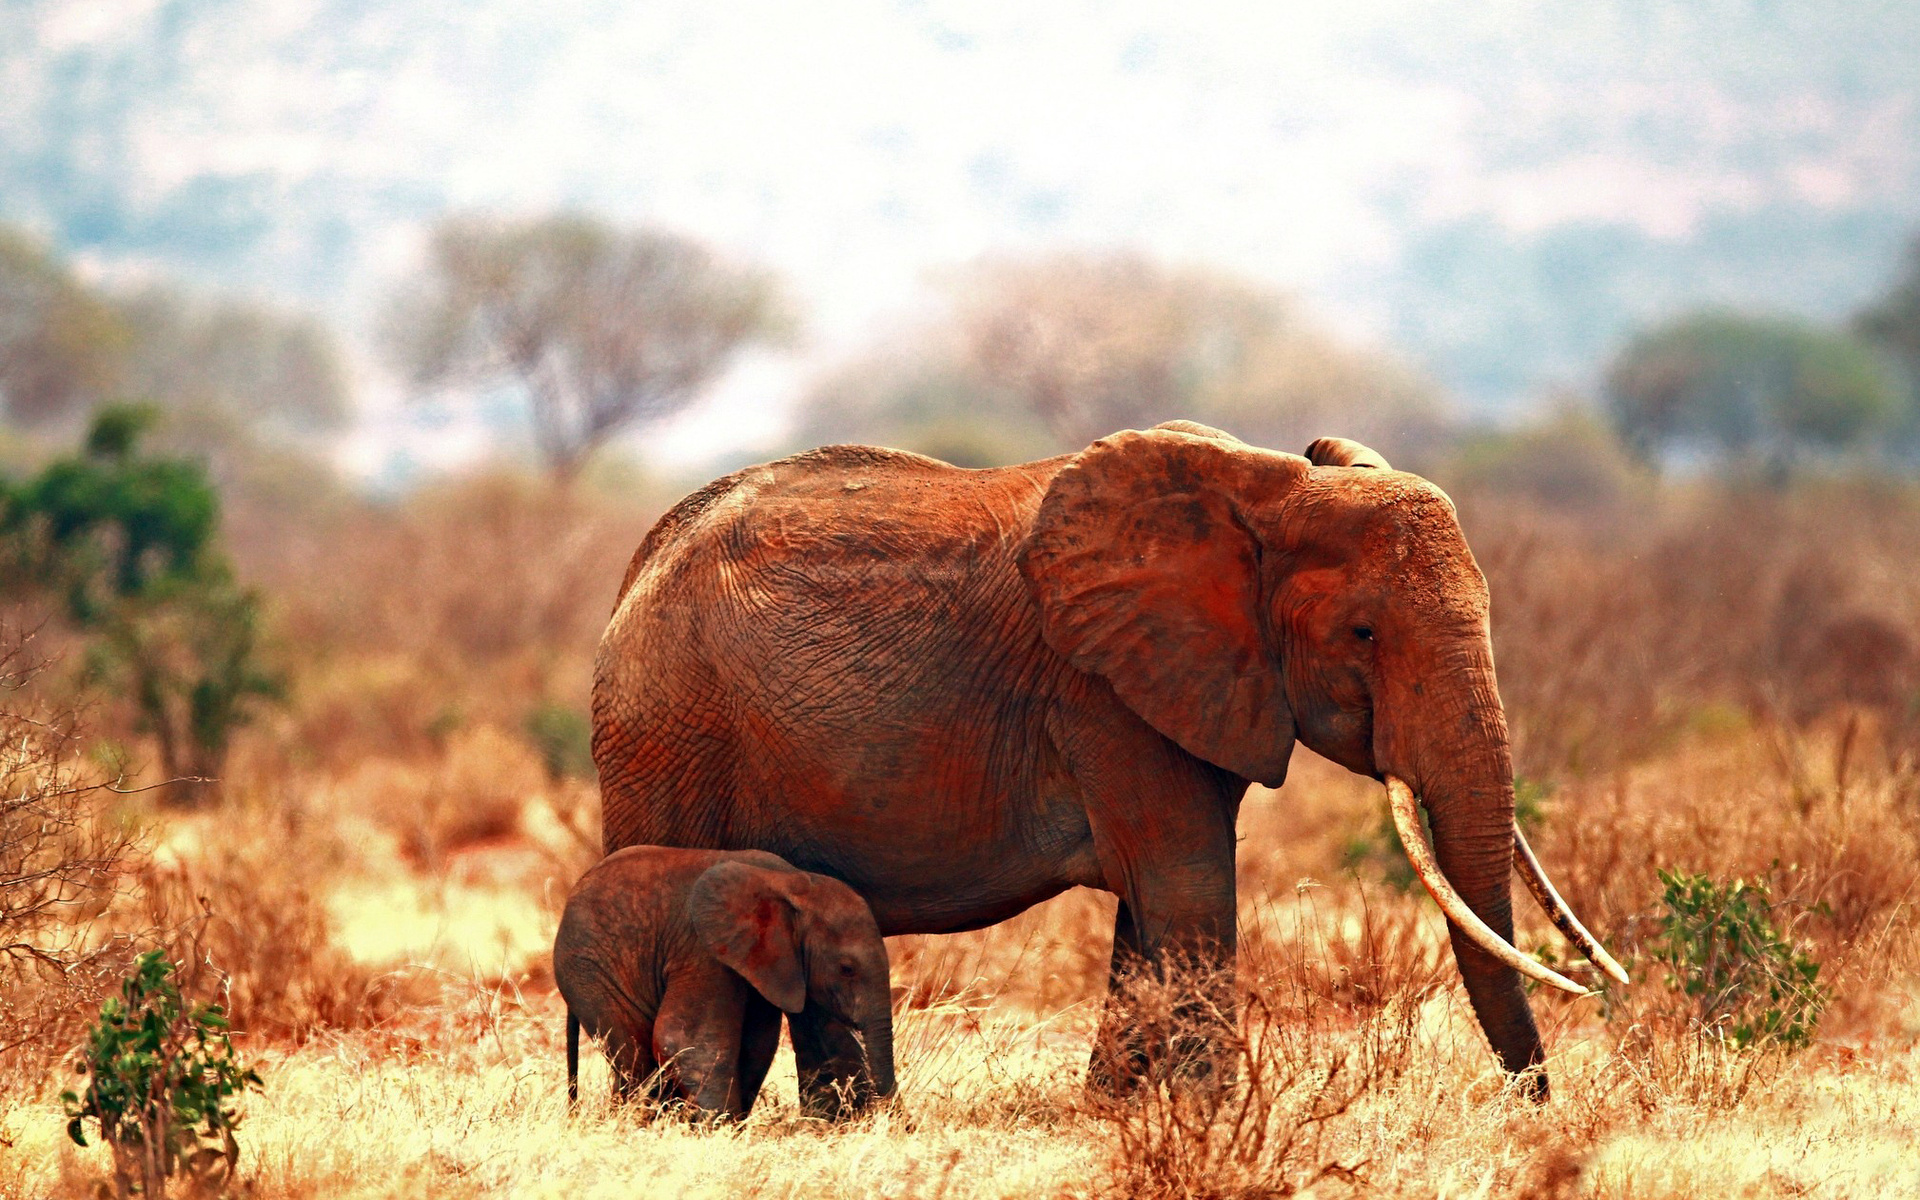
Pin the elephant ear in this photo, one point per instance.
(744, 916)
(1339, 452)
(1147, 575)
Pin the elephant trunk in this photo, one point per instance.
(1467, 789)
(1475, 852)
(877, 1034)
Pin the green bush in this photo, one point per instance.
(162, 1079)
(128, 542)
(564, 738)
(1743, 978)
(188, 658)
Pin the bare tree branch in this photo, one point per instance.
(603, 329)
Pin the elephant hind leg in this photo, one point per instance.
(630, 1055)
(573, 1060)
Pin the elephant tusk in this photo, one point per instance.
(1557, 910)
(1406, 819)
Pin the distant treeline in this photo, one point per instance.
(602, 331)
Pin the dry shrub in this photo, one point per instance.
(1838, 841)
(64, 855)
(244, 915)
(44, 1013)
(472, 572)
(471, 603)
(1667, 1061)
(478, 791)
(1725, 682)
(1831, 832)
(1347, 958)
(1618, 631)
(473, 790)
(371, 706)
(1262, 1127)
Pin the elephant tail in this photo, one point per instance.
(573, 1059)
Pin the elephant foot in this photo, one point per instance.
(1186, 1046)
(1534, 1086)
(1187, 1065)
(835, 1098)
(835, 1083)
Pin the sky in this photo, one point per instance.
(1497, 191)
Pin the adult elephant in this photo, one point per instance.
(965, 691)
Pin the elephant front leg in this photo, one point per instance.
(1162, 827)
(629, 1051)
(697, 1039)
(759, 1042)
(1120, 1052)
(1170, 1001)
(835, 1082)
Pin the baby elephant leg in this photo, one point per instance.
(696, 1037)
(759, 1042)
(630, 1054)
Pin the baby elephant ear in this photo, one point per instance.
(1339, 452)
(744, 916)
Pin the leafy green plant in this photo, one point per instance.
(564, 738)
(188, 657)
(1743, 978)
(162, 1081)
(127, 541)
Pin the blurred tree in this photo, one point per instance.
(1298, 383)
(1893, 321)
(1050, 353)
(242, 364)
(603, 328)
(62, 347)
(1765, 388)
(1893, 324)
(1568, 459)
(223, 369)
(127, 541)
(917, 392)
(1095, 343)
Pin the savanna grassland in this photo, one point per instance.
(1710, 681)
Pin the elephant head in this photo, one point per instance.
(801, 940)
(1240, 599)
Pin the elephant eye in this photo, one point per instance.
(1363, 632)
(848, 970)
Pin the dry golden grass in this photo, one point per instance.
(470, 1102)
(455, 1088)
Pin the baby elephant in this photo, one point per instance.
(685, 959)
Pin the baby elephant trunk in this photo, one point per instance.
(877, 1034)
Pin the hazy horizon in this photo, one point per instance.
(1497, 193)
